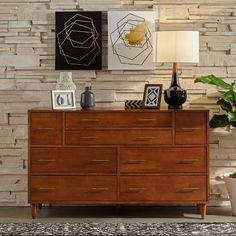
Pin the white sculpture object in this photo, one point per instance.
(65, 82)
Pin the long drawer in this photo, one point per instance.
(118, 119)
(73, 188)
(163, 160)
(117, 137)
(163, 188)
(73, 160)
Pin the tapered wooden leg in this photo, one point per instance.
(34, 210)
(203, 208)
(40, 205)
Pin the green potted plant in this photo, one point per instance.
(227, 101)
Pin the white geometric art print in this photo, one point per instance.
(130, 40)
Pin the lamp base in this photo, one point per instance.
(175, 107)
(175, 97)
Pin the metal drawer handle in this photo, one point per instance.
(89, 120)
(136, 189)
(143, 138)
(49, 189)
(88, 138)
(134, 161)
(188, 161)
(100, 189)
(190, 129)
(189, 190)
(45, 128)
(97, 160)
(46, 160)
(146, 119)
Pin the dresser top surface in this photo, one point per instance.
(101, 109)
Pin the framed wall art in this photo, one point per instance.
(130, 40)
(152, 96)
(63, 99)
(78, 40)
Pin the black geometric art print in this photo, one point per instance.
(130, 40)
(78, 40)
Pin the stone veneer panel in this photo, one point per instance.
(27, 74)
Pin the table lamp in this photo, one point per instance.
(176, 47)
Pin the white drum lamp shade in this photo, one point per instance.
(177, 46)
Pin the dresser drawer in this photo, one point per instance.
(73, 188)
(163, 188)
(191, 127)
(162, 160)
(46, 128)
(137, 136)
(117, 119)
(73, 160)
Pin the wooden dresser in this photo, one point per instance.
(118, 157)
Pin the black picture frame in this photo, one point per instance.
(78, 40)
(152, 96)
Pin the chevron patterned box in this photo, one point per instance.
(133, 104)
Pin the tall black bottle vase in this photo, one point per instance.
(175, 96)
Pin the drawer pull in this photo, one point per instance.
(135, 190)
(88, 138)
(134, 161)
(47, 160)
(189, 190)
(47, 189)
(143, 138)
(190, 129)
(46, 129)
(146, 119)
(97, 160)
(89, 120)
(188, 161)
(100, 189)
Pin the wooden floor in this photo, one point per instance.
(111, 214)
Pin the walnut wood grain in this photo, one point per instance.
(104, 156)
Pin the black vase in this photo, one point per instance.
(87, 100)
(175, 96)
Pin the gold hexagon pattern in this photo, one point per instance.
(78, 40)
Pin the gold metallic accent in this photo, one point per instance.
(134, 161)
(188, 161)
(100, 189)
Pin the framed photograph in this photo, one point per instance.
(152, 96)
(63, 99)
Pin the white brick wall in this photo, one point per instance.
(27, 74)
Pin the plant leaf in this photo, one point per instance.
(219, 121)
(226, 106)
(211, 79)
(232, 116)
(229, 96)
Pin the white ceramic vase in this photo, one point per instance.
(65, 82)
(231, 187)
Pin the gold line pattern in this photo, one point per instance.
(79, 24)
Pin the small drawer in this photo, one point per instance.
(73, 160)
(75, 120)
(117, 137)
(163, 188)
(46, 128)
(73, 188)
(191, 127)
(159, 160)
